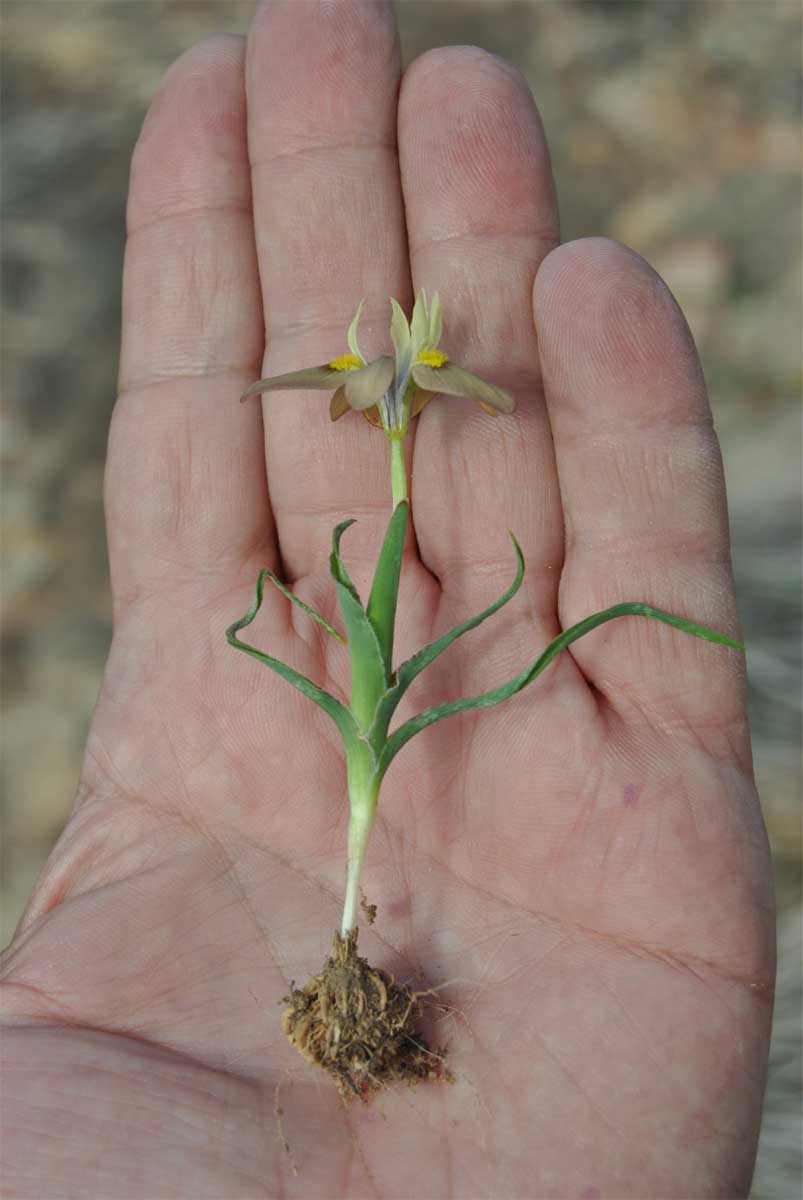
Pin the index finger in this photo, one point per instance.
(322, 82)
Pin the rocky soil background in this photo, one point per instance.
(675, 127)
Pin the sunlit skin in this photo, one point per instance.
(583, 867)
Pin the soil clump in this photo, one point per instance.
(359, 1025)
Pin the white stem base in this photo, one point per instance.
(359, 832)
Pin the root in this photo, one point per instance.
(278, 1113)
(358, 1024)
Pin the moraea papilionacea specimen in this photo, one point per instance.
(390, 391)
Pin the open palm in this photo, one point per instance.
(584, 867)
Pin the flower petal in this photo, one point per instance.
(372, 417)
(452, 380)
(368, 385)
(399, 330)
(310, 377)
(351, 336)
(338, 405)
(435, 322)
(419, 325)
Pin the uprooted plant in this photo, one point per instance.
(353, 1020)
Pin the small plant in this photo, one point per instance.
(354, 1021)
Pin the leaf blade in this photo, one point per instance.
(311, 612)
(368, 675)
(496, 695)
(332, 706)
(413, 666)
(381, 610)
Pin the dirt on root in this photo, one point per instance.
(359, 1025)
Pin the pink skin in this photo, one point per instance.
(584, 866)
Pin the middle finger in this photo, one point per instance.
(322, 83)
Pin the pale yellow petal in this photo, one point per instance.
(452, 380)
(338, 405)
(435, 322)
(351, 336)
(419, 325)
(368, 385)
(399, 330)
(309, 377)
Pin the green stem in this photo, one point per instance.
(398, 471)
(368, 632)
(363, 795)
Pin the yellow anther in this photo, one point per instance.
(346, 362)
(432, 358)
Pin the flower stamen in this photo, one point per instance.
(346, 362)
(432, 358)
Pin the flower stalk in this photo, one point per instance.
(398, 471)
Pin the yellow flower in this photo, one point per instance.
(389, 391)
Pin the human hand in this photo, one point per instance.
(584, 866)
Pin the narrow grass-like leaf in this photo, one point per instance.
(487, 699)
(385, 588)
(316, 616)
(368, 676)
(337, 711)
(414, 665)
(422, 658)
(336, 568)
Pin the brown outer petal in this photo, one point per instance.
(372, 417)
(309, 377)
(420, 400)
(366, 386)
(338, 405)
(452, 380)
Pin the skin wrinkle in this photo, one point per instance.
(645, 951)
(621, 700)
(756, 985)
(153, 383)
(356, 1147)
(580, 1089)
(239, 575)
(194, 318)
(132, 1040)
(173, 215)
(326, 149)
(491, 239)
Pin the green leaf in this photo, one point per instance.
(336, 568)
(487, 699)
(422, 658)
(413, 666)
(385, 589)
(368, 676)
(337, 711)
(316, 616)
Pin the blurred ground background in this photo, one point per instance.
(673, 126)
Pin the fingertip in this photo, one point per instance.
(313, 66)
(588, 269)
(450, 60)
(604, 316)
(196, 118)
(470, 133)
